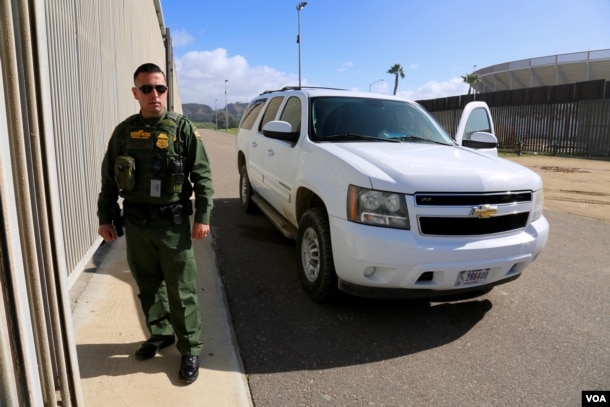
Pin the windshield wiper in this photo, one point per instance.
(354, 136)
(418, 138)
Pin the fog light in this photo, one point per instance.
(369, 271)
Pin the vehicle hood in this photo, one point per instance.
(419, 167)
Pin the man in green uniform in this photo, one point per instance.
(156, 160)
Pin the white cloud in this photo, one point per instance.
(202, 76)
(434, 90)
(180, 38)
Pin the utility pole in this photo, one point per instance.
(226, 110)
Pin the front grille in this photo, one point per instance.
(500, 198)
(456, 226)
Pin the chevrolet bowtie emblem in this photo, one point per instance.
(484, 211)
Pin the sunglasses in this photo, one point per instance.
(146, 89)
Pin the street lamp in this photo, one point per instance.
(474, 90)
(216, 113)
(371, 84)
(300, 6)
(226, 113)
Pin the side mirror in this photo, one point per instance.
(280, 130)
(481, 140)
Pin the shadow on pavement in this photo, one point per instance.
(279, 329)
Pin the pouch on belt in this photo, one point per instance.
(125, 173)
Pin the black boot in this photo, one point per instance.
(150, 348)
(189, 368)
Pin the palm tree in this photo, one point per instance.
(472, 80)
(396, 70)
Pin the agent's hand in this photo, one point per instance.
(107, 232)
(200, 230)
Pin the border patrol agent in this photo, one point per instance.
(156, 160)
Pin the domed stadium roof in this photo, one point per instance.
(545, 71)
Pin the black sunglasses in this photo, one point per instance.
(146, 89)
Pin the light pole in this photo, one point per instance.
(474, 91)
(300, 6)
(371, 84)
(216, 113)
(226, 113)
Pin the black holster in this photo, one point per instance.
(142, 214)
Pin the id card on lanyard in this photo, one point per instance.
(155, 188)
(155, 183)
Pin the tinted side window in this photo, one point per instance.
(478, 121)
(272, 108)
(292, 113)
(251, 113)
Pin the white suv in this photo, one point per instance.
(381, 201)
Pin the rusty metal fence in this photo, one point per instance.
(559, 120)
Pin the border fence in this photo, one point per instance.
(572, 119)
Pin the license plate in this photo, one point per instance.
(471, 277)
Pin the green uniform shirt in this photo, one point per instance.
(155, 144)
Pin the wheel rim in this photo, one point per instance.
(310, 255)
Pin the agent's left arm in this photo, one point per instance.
(200, 175)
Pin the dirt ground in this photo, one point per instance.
(573, 185)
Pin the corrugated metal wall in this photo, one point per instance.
(94, 48)
(67, 72)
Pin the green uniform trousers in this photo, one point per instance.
(162, 262)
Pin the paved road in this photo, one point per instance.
(537, 341)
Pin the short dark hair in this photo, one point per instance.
(147, 68)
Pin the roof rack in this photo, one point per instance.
(299, 88)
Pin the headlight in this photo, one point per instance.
(377, 208)
(538, 204)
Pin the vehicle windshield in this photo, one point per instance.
(340, 119)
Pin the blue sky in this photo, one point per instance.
(352, 44)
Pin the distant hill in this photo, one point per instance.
(200, 113)
(196, 112)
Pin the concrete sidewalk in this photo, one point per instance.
(109, 328)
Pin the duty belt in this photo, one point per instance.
(142, 214)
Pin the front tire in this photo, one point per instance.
(315, 263)
(245, 191)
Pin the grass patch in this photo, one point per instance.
(212, 126)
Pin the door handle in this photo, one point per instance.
(254, 145)
(270, 152)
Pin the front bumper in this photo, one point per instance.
(369, 258)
